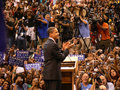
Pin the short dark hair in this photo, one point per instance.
(50, 30)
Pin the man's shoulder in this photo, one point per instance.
(106, 24)
(86, 20)
(84, 23)
(49, 42)
(45, 20)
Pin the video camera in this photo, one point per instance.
(81, 12)
(77, 19)
(94, 22)
(60, 18)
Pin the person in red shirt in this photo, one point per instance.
(103, 29)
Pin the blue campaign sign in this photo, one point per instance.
(73, 57)
(36, 66)
(39, 58)
(42, 53)
(22, 55)
(81, 57)
(1, 57)
(16, 61)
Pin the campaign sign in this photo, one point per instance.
(16, 61)
(73, 57)
(42, 53)
(1, 57)
(36, 66)
(22, 55)
(39, 58)
(81, 57)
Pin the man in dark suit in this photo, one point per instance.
(53, 58)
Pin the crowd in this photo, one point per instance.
(99, 70)
(15, 77)
(27, 22)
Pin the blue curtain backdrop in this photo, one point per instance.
(2, 30)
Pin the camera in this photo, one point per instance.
(77, 18)
(60, 18)
(20, 23)
(98, 80)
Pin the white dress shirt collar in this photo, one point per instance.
(52, 39)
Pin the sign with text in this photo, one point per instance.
(39, 58)
(36, 66)
(81, 57)
(22, 55)
(73, 57)
(16, 61)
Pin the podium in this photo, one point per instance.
(67, 69)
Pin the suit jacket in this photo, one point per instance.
(53, 58)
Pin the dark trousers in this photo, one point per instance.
(21, 44)
(53, 84)
(11, 41)
(104, 44)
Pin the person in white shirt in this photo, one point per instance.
(108, 85)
